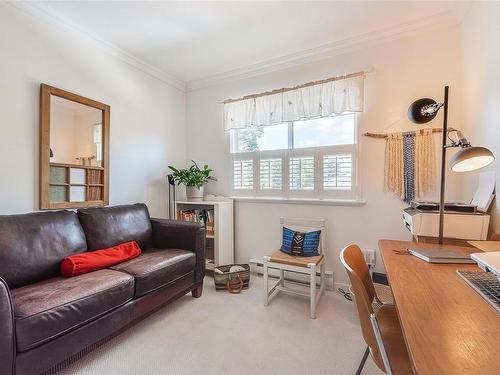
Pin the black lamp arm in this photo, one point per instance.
(460, 140)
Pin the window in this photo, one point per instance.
(302, 159)
(97, 133)
(329, 131)
(274, 137)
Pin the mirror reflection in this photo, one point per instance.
(75, 133)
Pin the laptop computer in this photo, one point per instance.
(441, 255)
(487, 281)
(488, 261)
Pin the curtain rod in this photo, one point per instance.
(285, 89)
(385, 135)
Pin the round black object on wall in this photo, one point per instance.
(422, 111)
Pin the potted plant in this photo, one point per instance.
(193, 178)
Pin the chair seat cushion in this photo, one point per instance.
(158, 267)
(52, 307)
(291, 260)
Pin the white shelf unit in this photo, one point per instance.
(222, 240)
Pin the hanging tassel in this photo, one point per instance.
(425, 162)
(409, 166)
(394, 180)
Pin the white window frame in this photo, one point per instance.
(318, 153)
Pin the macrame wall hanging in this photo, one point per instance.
(410, 162)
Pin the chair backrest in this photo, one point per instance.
(364, 293)
(305, 225)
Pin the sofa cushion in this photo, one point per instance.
(52, 307)
(109, 226)
(32, 245)
(157, 267)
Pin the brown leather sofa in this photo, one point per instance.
(47, 321)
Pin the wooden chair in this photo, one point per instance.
(298, 264)
(381, 330)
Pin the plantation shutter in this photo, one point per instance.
(302, 173)
(271, 174)
(243, 174)
(337, 172)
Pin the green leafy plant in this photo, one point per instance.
(192, 176)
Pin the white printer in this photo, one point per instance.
(461, 221)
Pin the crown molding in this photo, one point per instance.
(355, 43)
(39, 12)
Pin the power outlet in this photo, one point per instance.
(370, 257)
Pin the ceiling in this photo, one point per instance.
(195, 41)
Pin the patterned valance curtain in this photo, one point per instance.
(317, 99)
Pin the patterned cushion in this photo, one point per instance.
(300, 243)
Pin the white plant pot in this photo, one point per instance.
(193, 194)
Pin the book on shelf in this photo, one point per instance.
(205, 216)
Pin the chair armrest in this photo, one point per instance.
(173, 234)
(7, 329)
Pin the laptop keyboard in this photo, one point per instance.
(486, 284)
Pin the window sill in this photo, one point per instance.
(322, 202)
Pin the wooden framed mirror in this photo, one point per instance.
(74, 150)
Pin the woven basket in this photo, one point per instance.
(234, 282)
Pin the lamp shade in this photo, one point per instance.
(471, 158)
(417, 113)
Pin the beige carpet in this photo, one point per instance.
(222, 333)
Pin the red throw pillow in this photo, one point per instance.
(79, 264)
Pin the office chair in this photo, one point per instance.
(381, 330)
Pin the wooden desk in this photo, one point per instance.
(448, 327)
(486, 245)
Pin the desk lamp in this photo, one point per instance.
(468, 158)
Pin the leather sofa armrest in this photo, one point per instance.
(7, 329)
(173, 234)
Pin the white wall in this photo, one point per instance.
(480, 47)
(404, 70)
(147, 116)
